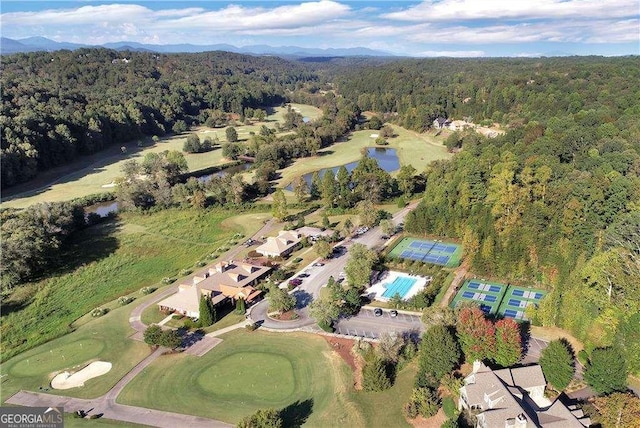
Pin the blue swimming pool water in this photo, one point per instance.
(401, 286)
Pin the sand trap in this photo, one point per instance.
(374, 135)
(106, 186)
(65, 380)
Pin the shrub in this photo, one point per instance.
(189, 324)
(185, 272)
(326, 326)
(297, 260)
(167, 280)
(251, 326)
(125, 300)
(98, 312)
(423, 401)
(147, 290)
(201, 263)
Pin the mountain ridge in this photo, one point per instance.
(38, 43)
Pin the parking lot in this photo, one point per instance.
(366, 324)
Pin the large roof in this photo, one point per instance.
(279, 244)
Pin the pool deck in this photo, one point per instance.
(388, 277)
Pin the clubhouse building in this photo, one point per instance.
(225, 281)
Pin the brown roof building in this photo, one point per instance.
(225, 280)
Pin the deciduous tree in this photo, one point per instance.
(606, 371)
(508, 342)
(476, 334)
(439, 353)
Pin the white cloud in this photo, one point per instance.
(457, 10)
(454, 54)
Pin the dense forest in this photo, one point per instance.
(553, 202)
(59, 105)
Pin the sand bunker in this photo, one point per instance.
(66, 380)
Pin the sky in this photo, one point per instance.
(455, 28)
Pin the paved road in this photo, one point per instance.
(319, 276)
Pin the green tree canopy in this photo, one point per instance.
(606, 371)
(359, 266)
(439, 353)
(262, 418)
(558, 364)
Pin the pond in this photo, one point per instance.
(227, 171)
(387, 159)
(103, 209)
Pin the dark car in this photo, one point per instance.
(377, 312)
(295, 281)
(393, 313)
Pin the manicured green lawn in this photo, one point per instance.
(104, 339)
(412, 148)
(248, 371)
(114, 259)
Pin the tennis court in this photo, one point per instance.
(518, 299)
(487, 294)
(426, 251)
(508, 301)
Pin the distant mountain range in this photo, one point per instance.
(32, 44)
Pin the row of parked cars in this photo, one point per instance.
(378, 312)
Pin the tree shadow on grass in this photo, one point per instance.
(296, 414)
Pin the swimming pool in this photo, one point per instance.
(401, 286)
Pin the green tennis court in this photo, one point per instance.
(487, 294)
(508, 301)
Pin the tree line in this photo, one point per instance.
(59, 105)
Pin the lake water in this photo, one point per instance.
(387, 159)
(231, 170)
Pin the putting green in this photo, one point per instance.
(64, 357)
(255, 376)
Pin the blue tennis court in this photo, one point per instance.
(514, 302)
(473, 285)
(539, 296)
(400, 286)
(489, 298)
(517, 292)
(510, 313)
(426, 251)
(468, 295)
(495, 288)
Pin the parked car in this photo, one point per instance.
(393, 313)
(377, 312)
(295, 281)
(304, 275)
(318, 264)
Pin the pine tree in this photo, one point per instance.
(240, 306)
(205, 309)
(279, 209)
(374, 373)
(557, 363)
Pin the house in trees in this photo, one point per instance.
(280, 246)
(441, 123)
(225, 281)
(514, 398)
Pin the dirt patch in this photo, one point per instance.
(286, 316)
(435, 421)
(554, 333)
(343, 348)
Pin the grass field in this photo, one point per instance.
(104, 339)
(412, 148)
(78, 179)
(113, 259)
(248, 371)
